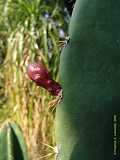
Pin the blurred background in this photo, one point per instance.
(31, 30)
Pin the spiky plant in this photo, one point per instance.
(12, 142)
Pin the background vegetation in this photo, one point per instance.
(30, 30)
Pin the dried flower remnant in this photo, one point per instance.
(38, 73)
(64, 42)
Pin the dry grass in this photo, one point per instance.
(28, 103)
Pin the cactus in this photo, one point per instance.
(12, 144)
(90, 78)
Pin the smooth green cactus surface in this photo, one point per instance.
(90, 77)
(12, 144)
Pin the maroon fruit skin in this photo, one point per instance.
(40, 75)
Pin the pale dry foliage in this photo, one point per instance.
(28, 102)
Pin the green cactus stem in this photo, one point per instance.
(90, 78)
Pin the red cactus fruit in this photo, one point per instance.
(40, 75)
